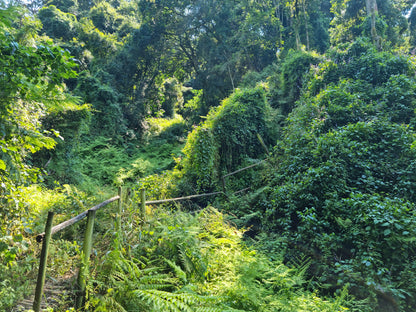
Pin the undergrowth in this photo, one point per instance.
(105, 162)
(170, 261)
(176, 261)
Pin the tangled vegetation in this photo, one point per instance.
(298, 117)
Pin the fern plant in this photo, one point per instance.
(139, 286)
(183, 262)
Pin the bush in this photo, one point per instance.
(227, 138)
(346, 199)
(57, 24)
(289, 85)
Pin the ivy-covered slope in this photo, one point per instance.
(340, 186)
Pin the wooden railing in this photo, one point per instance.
(45, 237)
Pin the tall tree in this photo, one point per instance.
(382, 21)
(372, 11)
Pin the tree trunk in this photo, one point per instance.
(372, 10)
(305, 16)
(294, 23)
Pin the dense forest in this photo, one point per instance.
(298, 116)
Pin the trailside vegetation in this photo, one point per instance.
(299, 116)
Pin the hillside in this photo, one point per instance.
(299, 116)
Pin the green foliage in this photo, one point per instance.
(100, 44)
(236, 124)
(63, 163)
(145, 278)
(107, 119)
(412, 27)
(349, 195)
(171, 97)
(138, 168)
(107, 163)
(68, 6)
(399, 99)
(135, 56)
(174, 261)
(192, 107)
(377, 68)
(105, 17)
(31, 86)
(361, 84)
(159, 186)
(352, 20)
(252, 78)
(102, 160)
(57, 24)
(339, 188)
(166, 128)
(19, 251)
(180, 262)
(287, 87)
(201, 155)
(227, 138)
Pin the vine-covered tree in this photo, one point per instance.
(383, 21)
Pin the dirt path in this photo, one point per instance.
(56, 294)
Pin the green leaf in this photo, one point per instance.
(3, 246)
(2, 165)
(387, 232)
(18, 238)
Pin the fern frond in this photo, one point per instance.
(164, 287)
(155, 299)
(112, 305)
(117, 277)
(185, 259)
(192, 260)
(138, 262)
(158, 279)
(177, 269)
(217, 309)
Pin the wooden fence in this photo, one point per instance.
(45, 237)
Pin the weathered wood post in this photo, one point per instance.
(85, 259)
(42, 264)
(119, 212)
(143, 203)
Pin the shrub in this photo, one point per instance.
(227, 138)
(345, 199)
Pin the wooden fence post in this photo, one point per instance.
(119, 212)
(143, 203)
(86, 252)
(42, 264)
